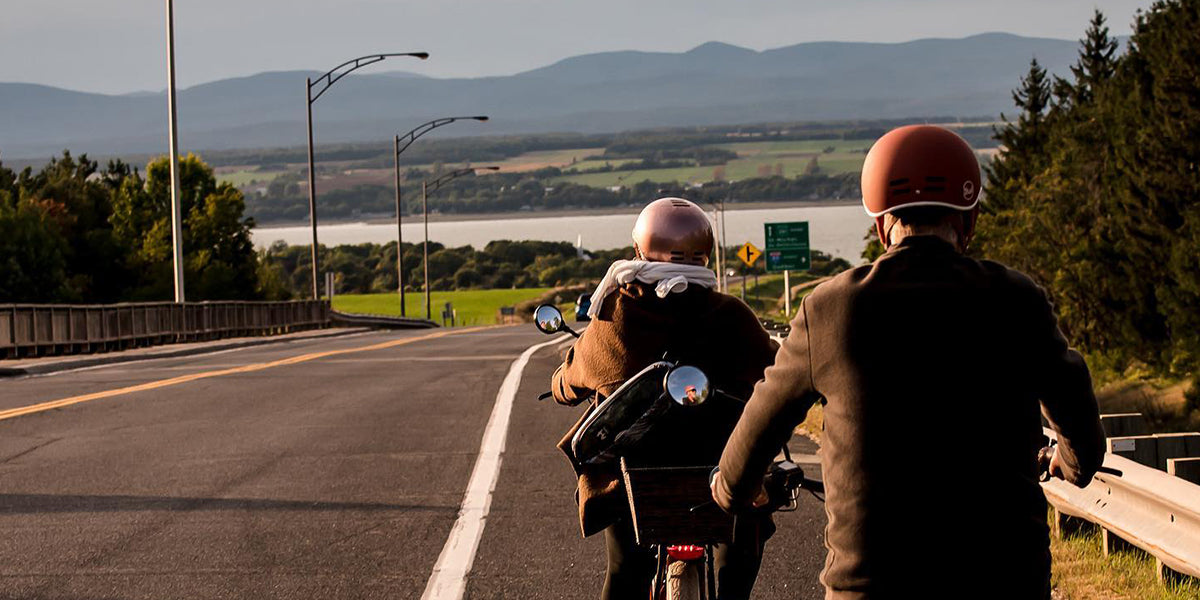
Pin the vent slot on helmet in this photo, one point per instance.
(895, 184)
(937, 182)
(678, 256)
(680, 203)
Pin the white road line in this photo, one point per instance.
(449, 578)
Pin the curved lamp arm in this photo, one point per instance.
(422, 129)
(336, 73)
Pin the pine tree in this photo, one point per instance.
(1022, 143)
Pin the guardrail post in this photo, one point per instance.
(1112, 543)
(1124, 424)
(1066, 525)
(1176, 445)
(1187, 469)
(1142, 449)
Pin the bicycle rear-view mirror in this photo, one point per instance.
(687, 386)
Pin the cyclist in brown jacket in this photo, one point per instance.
(663, 303)
(931, 367)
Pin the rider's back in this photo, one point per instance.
(932, 365)
(709, 330)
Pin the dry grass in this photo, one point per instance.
(1082, 572)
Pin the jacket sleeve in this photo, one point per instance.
(779, 403)
(568, 384)
(1064, 386)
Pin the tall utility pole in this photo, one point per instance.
(176, 209)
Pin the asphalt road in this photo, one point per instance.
(331, 468)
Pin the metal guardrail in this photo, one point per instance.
(52, 329)
(380, 321)
(1144, 507)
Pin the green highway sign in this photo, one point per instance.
(787, 260)
(787, 246)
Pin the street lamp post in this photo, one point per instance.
(411, 137)
(320, 86)
(719, 238)
(432, 186)
(176, 208)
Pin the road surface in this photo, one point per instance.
(332, 468)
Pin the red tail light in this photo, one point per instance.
(685, 552)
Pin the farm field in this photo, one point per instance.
(789, 159)
(475, 307)
(242, 176)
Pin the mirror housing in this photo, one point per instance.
(687, 386)
(550, 320)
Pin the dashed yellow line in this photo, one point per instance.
(53, 404)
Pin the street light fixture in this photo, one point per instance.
(432, 186)
(312, 91)
(411, 137)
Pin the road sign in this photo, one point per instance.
(787, 246)
(749, 254)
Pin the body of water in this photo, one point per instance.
(837, 230)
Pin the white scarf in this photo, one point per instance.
(668, 278)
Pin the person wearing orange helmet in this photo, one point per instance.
(660, 303)
(933, 369)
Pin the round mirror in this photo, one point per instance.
(687, 386)
(548, 318)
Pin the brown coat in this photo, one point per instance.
(931, 366)
(714, 332)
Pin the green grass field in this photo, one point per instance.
(847, 157)
(475, 307)
(245, 177)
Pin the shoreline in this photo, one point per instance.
(547, 214)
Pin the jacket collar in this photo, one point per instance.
(924, 243)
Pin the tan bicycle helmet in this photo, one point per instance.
(921, 165)
(673, 230)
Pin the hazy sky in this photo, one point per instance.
(117, 46)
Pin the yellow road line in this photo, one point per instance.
(53, 404)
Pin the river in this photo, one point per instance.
(837, 230)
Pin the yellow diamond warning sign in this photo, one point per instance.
(749, 254)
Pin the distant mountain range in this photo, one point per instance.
(711, 84)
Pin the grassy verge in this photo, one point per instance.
(475, 307)
(764, 297)
(1082, 572)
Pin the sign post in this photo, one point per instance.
(787, 250)
(749, 254)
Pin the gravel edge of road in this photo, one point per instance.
(92, 360)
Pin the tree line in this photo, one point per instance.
(287, 200)
(371, 268)
(1095, 191)
(73, 232)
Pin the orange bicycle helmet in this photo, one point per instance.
(921, 165)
